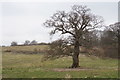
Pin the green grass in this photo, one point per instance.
(30, 66)
(0, 62)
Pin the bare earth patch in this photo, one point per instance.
(70, 69)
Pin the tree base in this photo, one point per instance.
(74, 67)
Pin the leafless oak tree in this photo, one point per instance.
(75, 23)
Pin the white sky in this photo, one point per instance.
(22, 21)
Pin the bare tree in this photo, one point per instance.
(115, 28)
(27, 42)
(34, 42)
(14, 43)
(75, 23)
(90, 39)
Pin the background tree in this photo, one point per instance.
(90, 39)
(75, 23)
(27, 42)
(14, 43)
(108, 38)
(108, 43)
(34, 42)
(116, 29)
(111, 40)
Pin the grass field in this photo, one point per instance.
(30, 66)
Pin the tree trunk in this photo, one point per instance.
(76, 55)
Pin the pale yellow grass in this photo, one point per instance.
(26, 48)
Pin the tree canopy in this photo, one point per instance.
(76, 22)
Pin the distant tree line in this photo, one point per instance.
(27, 43)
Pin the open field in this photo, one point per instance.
(30, 66)
(26, 48)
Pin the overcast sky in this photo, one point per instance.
(24, 20)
